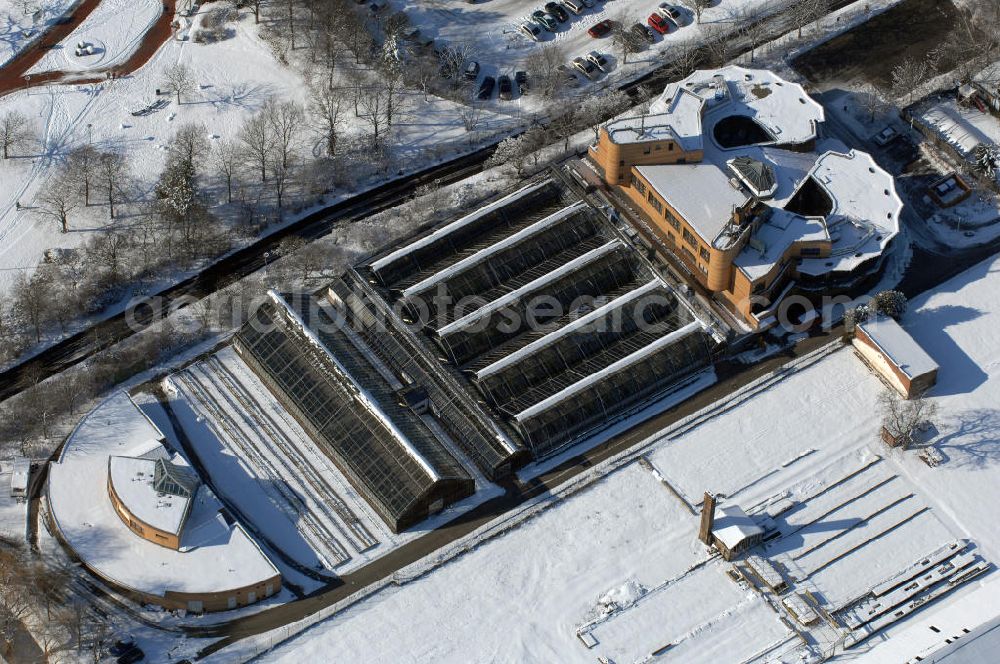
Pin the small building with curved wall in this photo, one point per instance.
(138, 517)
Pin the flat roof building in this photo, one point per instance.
(173, 551)
(895, 355)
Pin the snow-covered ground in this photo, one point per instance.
(114, 29)
(860, 515)
(21, 21)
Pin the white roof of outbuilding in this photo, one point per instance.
(898, 346)
(733, 526)
(214, 556)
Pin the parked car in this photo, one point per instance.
(131, 656)
(886, 136)
(545, 20)
(658, 23)
(585, 67)
(471, 71)
(506, 89)
(575, 6)
(569, 78)
(642, 32)
(598, 60)
(121, 645)
(521, 78)
(486, 88)
(556, 9)
(670, 12)
(530, 30)
(600, 29)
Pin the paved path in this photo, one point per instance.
(13, 75)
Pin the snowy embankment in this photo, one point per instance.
(545, 578)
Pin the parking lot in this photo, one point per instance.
(491, 32)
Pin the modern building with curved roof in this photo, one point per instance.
(737, 184)
(138, 517)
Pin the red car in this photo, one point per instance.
(658, 23)
(599, 30)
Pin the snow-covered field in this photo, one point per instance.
(114, 29)
(860, 514)
(22, 20)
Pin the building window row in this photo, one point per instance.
(655, 202)
(705, 256)
(672, 220)
(690, 238)
(639, 185)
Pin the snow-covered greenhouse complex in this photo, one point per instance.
(493, 339)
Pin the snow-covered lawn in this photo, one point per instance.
(114, 30)
(21, 21)
(861, 514)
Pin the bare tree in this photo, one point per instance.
(717, 45)
(624, 40)
(81, 166)
(29, 304)
(543, 63)
(15, 131)
(805, 12)
(683, 59)
(226, 161)
(872, 101)
(909, 74)
(284, 119)
(325, 106)
(373, 101)
(698, 6)
(454, 58)
(112, 170)
(190, 143)
(751, 26)
(257, 142)
(179, 79)
(903, 417)
(57, 199)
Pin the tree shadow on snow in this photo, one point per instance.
(974, 440)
